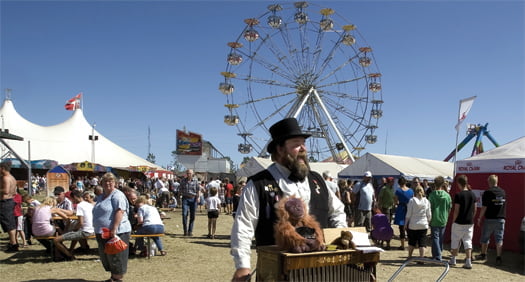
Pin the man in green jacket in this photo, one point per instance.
(386, 198)
(440, 204)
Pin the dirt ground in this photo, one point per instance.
(200, 259)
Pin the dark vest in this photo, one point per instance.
(269, 194)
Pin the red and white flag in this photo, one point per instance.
(464, 109)
(73, 103)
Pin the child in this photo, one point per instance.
(150, 222)
(31, 205)
(150, 200)
(213, 203)
(173, 202)
(382, 230)
(202, 201)
(19, 219)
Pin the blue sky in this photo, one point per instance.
(157, 64)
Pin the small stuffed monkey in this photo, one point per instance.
(344, 242)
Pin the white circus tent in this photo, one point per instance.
(67, 142)
(396, 166)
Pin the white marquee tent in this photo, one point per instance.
(256, 164)
(508, 158)
(389, 165)
(67, 142)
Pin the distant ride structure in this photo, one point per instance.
(478, 131)
(308, 62)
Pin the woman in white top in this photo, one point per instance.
(149, 222)
(417, 218)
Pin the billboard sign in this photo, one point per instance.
(189, 143)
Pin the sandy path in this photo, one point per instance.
(201, 259)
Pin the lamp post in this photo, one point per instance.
(93, 138)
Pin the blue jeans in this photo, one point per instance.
(438, 235)
(188, 204)
(150, 229)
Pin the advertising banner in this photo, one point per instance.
(189, 143)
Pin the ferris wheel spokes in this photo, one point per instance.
(338, 68)
(342, 81)
(334, 127)
(263, 120)
(287, 62)
(270, 66)
(269, 97)
(313, 66)
(294, 111)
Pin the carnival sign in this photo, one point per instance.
(189, 143)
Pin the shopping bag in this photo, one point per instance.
(105, 233)
(114, 246)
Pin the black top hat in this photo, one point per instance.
(283, 130)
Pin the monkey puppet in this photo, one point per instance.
(296, 231)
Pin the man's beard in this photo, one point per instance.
(298, 169)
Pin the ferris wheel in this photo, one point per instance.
(304, 62)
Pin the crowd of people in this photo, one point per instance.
(109, 207)
(93, 204)
(418, 207)
(75, 214)
(414, 207)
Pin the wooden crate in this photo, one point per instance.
(339, 265)
(269, 264)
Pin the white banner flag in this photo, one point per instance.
(464, 108)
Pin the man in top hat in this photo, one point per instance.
(289, 175)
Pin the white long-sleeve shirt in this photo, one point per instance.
(247, 216)
(418, 213)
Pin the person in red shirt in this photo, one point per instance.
(228, 191)
(68, 195)
(19, 215)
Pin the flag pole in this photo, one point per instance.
(457, 137)
(463, 110)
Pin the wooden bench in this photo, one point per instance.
(167, 209)
(52, 243)
(53, 237)
(148, 238)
